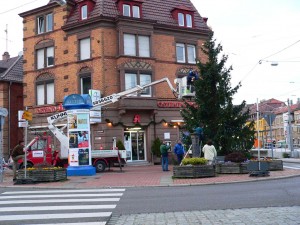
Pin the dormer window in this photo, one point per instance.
(184, 16)
(131, 11)
(84, 12)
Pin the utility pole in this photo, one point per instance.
(290, 130)
(6, 38)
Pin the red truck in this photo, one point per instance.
(40, 151)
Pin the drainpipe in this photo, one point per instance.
(9, 90)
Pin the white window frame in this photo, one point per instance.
(126, 10)
(40, 61)
(144, 46)
(49, 55)
(189, 20)
(44, 56)
(191, 52)
(180, 48)
(45, 23)
(45, 93)
(181, 19)
(85, 48)
(132, 41)
(84, 12)
(40, 24)
(146, 92)
(83, 80)
(49, 22)
(131, 81)
(136, 11)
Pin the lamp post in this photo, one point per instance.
(290, 131)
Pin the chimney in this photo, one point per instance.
(5, 56)
(205, 20)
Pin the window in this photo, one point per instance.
(180, 19)
(84, 12)
(45, 57)
(136, 11)
(85, 84)
(45, 92)
(134, 79)
(85, 48)
(126, 10)
(131, 42)
(183, 50)
(45, 23)
(188, 20)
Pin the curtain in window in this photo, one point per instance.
(40, 58)
(40, 94)
(191, 54)
(130, 81)
(50, 93)
(180, 19)
(129, 44)
(145, 79)
(136, 11)
(40, 24)
(84, 12)
(180, 54)
(188, 20)
(144, 46)
(126, 10)
(85, 49)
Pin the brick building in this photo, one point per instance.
(11, 98)
(111, 45)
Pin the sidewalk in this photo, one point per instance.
(143, 176)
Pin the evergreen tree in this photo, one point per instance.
(223, 122)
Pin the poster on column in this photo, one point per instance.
(79, 141)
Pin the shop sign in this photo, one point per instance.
(169, 104)
(137, 118)
(49, 109)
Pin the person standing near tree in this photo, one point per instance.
(17, 153)
(179, 151)
(164, 148)
(210, 152)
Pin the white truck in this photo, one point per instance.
(41, 148)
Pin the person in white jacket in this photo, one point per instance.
(210, 152)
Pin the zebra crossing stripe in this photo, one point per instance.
(41, 208)
(289, 167)
(62, 195)
(64, 191)
(54, 216)
(60, 200)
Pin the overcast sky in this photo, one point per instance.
(249, 31)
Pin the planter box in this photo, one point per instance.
(193, 171)
(231, 168)
(40, 175)
(275, 165)
(254, 166)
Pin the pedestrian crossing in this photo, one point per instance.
(58, 207)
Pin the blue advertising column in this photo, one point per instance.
(79, 133)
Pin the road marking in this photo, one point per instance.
(60, 200)
(54, 216)
(62, 195)
(65, 191)
(41, 208)
(289, 167)
(79, 223)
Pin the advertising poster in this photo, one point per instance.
(79, 138)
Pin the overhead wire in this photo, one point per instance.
(12, 9)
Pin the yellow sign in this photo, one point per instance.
(27, 115)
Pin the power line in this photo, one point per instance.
(17, 7)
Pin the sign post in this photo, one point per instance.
(3, 114)
(269, 117)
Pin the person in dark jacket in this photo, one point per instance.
(191, 78)
(179, 151)
(164, 148)
(17, 153)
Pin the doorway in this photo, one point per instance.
(134, 142)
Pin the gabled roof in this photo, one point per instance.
(12, 69)
(154, 10)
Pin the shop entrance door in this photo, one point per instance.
(134, 142)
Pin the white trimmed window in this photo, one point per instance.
(45, 23)
(181, 19)
(84, 12)
(131, 81)
(85, 48)
(45, 57)
(189, 22)
(45, 92)
(136, 11)
(136, 45)
(126, 10)
(186, 53)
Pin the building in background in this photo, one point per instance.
(11, 98)
(112, 45)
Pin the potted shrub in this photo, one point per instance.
(193, 168)
(155, 149)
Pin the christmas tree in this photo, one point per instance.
(224, 123)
